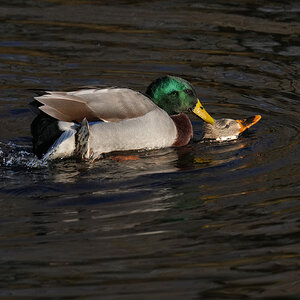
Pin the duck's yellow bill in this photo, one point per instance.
(247, 123)
(202, 113)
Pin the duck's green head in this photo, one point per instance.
(176, 95)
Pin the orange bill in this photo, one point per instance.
(247, 123)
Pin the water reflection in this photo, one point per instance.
(208, 220)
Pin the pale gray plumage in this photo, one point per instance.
(96, 104)
(152, 131)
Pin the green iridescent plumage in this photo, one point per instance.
(172, 94)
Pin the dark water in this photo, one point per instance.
(206, 221)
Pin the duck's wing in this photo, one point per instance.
(110, 104)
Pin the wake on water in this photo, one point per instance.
(13, 155)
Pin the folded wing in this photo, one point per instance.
(111, 104)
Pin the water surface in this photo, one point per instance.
(208, 220)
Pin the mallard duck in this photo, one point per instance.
(87, 123)
(227, 129)
(91, 122)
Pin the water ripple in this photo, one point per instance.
(209, 220)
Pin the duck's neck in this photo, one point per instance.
(184, 129)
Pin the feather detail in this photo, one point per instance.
(65, 107)
(55, 113)
(64, 146)
(83, 149)
(184, 129)
(112, 104)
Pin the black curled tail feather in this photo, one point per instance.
(45, 131)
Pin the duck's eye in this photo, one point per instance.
(174, 93)
(188, 92)
(227, 126)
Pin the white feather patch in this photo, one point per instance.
(63, 147)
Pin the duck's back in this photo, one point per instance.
(110, 104)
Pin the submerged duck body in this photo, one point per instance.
(90, 122)
(227, 129)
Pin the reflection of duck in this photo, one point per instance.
(131, 119)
